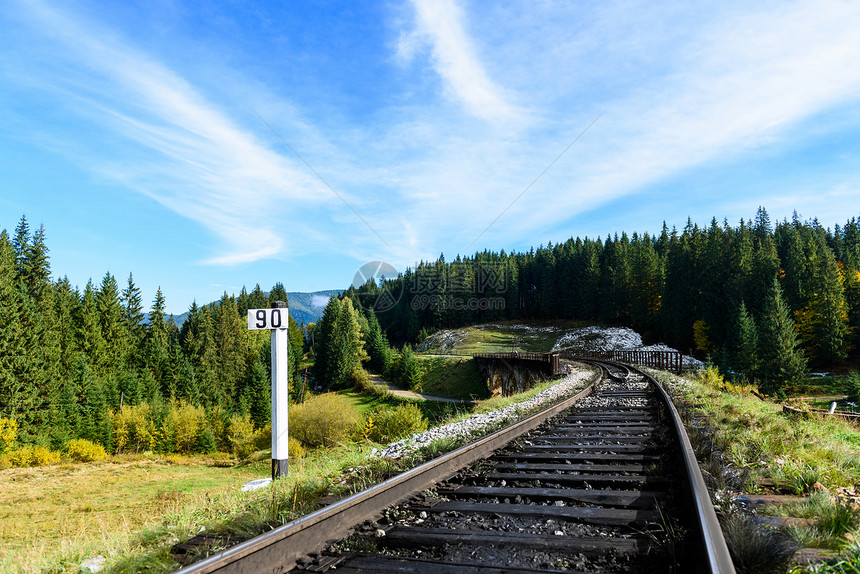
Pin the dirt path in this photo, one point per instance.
(397, 391)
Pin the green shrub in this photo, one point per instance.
(389, 425)
(853, 384)
(324, 420)
(82, 450)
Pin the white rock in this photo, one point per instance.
(256, 484)
(94, 564)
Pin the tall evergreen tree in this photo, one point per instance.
(824, 320)
(781, 361)
(156, 346)
(18, 396)
(132, 314)
(113, 328)
(746, 344)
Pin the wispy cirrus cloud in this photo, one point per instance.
(682, 86)
(441, 25)
(175, 145)
(742, 80)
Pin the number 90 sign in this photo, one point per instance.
(268, 318)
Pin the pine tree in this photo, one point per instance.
(259, 391)
(132, 314)
(377, 345)
(21, 245)
(781, 361)
(295, 345)
(824, 320)
(206, 359)
(65, 415)
(113, 327)
(17, 396)
(746, 344)
(156, 346)
(186, 383)
(409, 370)
(230, 333)
(278, 293)
(92, 409)
(257, 299)
(323, 340)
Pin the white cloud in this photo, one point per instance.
(441, 23)
(319, 301)
(206, 167)
(682, 85)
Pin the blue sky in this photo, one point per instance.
(208, 145)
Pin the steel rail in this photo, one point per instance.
(278, 551)
(717, 556)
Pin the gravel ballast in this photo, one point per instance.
(570, 384)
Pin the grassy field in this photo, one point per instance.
(452, 377)
(52, 518)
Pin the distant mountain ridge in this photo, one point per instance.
(308, 307)
(304, 307)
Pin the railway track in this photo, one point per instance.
(603, 482)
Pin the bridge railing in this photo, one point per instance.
(550, 359)
(665, 360)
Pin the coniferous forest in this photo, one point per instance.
(91, 364)
(764, 301)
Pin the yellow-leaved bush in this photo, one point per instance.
(295, 448)
(133, 429)
(388, 425)
(82, 450)
(8, 433)
(246, 440)
(30, 455)
(324, 420)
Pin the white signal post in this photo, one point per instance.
(277, 320)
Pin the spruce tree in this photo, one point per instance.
(156, 346)
(65, 415)
(323, 340)
(17, 396)
(746, 344)
(259, 391)
(409, 369)
(112, 326)
(278, 293)
(132, 311)
(781, 361)
(824, 320)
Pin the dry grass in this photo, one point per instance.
(52, 517)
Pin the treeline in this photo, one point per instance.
(82, 363)
(349, 338)
(739, 295)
